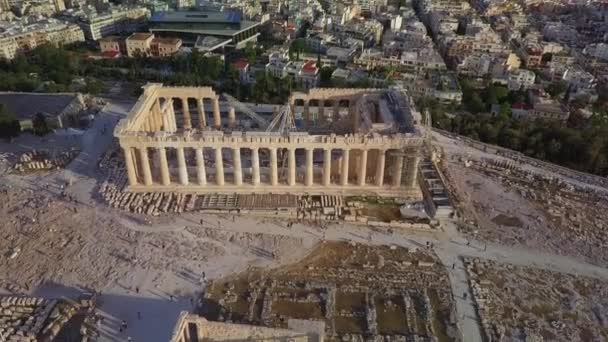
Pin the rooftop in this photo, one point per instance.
(197, 17)
(240, 64)
(141, 36)
(202, 23)
(27, 105)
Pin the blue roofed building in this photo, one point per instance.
(229, 27)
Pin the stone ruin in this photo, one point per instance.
(29, 319)
(354, 302)
(41, 160)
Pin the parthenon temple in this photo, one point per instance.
(326, 141)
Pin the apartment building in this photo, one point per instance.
(118, 19)
(141, 44)
(520, 79)
(50, 31)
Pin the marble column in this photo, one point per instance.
(131, 174)
(380, 161)
(156, 115)
(201, 175)
(231, 117)
(255, 166)
(145, 165)
(310, 175)
(236, 166)
(412, 171)
(362, 167)
(397, 171)
(165, 118)
(307, 118)
(186, 111)
(171, 115)
(354, 114)
(165, 177)
(327, 167)
(183, 168)
(345, 162)
(292, 166)
(274, 174)
(219, 167)
(202, 117)
(321, 107)
(217, 120)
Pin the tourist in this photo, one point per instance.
(136, 289)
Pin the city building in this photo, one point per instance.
(117, 19)
(340, 141)
(521, 79)
(242, 67)
(189, 26)
(17, 37)
(308, 75)
(599, 50)
(542, 107)
(141, 44)
(113, 46)
(441, 86)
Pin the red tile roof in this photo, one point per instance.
(310, 66)
(240, 64)
(110, 54)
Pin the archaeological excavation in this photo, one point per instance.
(356, 291)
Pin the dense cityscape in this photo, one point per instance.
(303, 170)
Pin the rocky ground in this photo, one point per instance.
(522, 303)
(502, 201)
(358, 291)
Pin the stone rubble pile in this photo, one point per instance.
(147, 203)
(33, 319)
(40, 160)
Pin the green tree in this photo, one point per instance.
(556, 88)
(9, 126)
(40, 125)
(297, 47)
(251, 52)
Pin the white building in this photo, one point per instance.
(521, 78)
(118, 19)
(18, 37)
(308, 75)
(599, 50)
(396, 23)
(277, 65)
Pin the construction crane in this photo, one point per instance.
(284, 122)
(263, 123)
